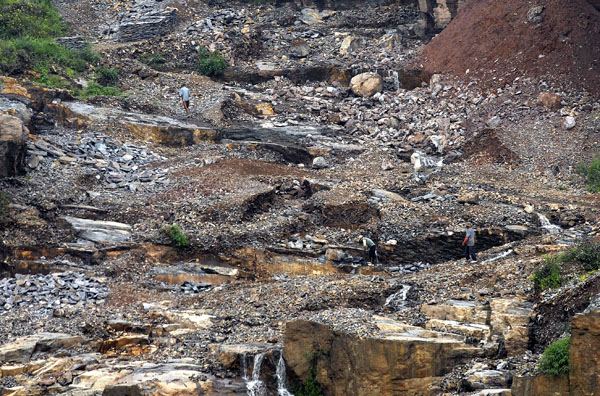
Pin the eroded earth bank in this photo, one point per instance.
(282, 164)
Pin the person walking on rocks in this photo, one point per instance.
(184, 94)
(470, 240)
(369, 244)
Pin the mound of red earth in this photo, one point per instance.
(497, 41)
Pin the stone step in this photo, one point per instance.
(458, 310)
(474, 330)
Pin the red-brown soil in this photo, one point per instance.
(495, 41)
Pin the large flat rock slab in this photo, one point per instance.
(150, 127)
(100, 231)
(22, 349)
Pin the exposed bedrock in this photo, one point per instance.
(402, 360)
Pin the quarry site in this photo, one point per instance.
(149, 249)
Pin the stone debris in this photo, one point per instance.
(120, 166)
(51, 292)
(279, 167)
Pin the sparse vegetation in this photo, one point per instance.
(155, 61)
(178, 238)
(591, 173)
(211, 64)
(107, 76)
(548, 275)
(585, 255)
(95, 89)
(4, 201)
(311, 387)
(555, 359)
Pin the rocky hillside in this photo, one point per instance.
(147, 250)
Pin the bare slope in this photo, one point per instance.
(500, 40)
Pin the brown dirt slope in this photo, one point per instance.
(496, 42)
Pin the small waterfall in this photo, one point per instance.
(255, 387)
(547, 226)
(397, 299)
(244, 366)
(498, 257)
(281, 377)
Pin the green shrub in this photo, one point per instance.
(107, 76)
(548, 275)
(178, 238)
(311, 387)
(211, 64)
(32, 18)
(591, 173)
(555, 359)
(95, 89)
(9, 62)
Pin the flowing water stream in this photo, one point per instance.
(257, 387)
(498, 256)
(397, 299)
(547, 226)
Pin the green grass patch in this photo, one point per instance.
(591, 173)
(178, 238)
(95, 89)
(155, 61)
(211, 64)
(107, 76)
(548, 275)
(555, 359)
(53, 80)
(27, 31)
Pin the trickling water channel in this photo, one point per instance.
(257, 387)
(547, 226)
(498, 256)
(398, 299)
(281, 377)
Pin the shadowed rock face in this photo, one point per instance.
(12, 146)
(439, 13)
(584, 354)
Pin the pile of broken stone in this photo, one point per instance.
(52, 291)
(119, 165)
